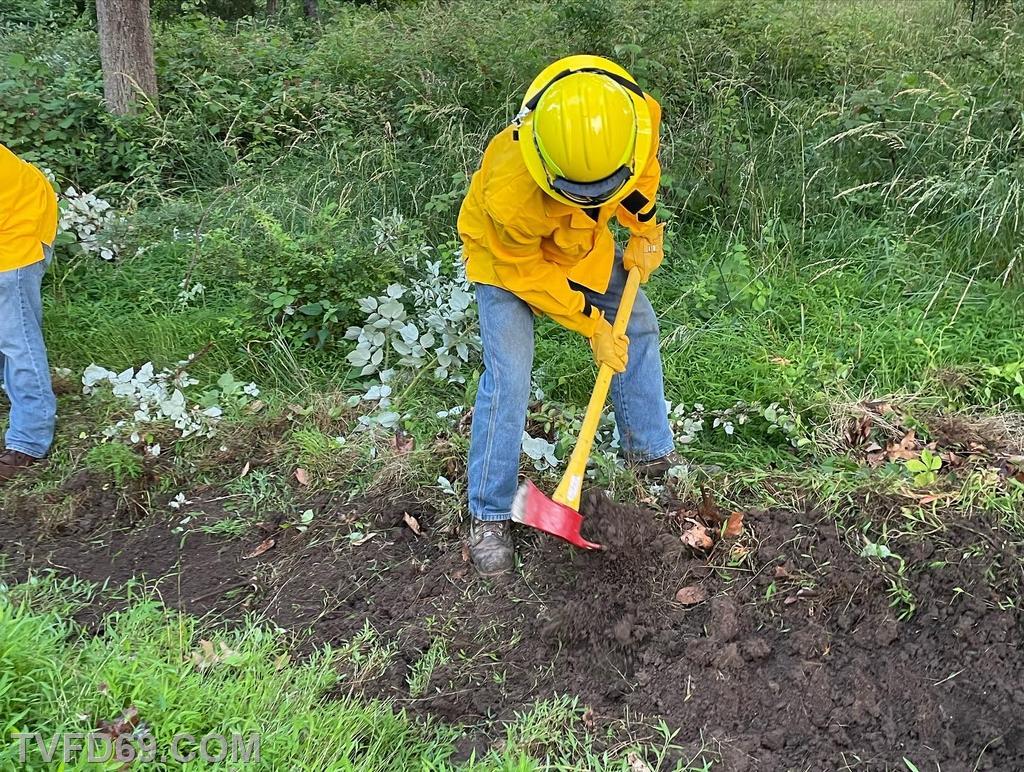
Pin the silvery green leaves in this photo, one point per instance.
(427, 322)
(160, 398)
(89, 219)
(540, 451)
(688, 424)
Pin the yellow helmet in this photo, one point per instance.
(585, 131)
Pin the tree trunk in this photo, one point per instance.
(126, 52)
(311, 9)
(271, 7)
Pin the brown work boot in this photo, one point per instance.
(657, 468)
(490, 547)
(14, 463)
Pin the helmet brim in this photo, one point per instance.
(591, 194)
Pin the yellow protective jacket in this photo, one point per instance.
(28, 212)
(518, 238)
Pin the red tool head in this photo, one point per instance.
(533, 508)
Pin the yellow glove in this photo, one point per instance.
(645, 251)
(609, 349)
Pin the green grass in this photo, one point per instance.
(187, 677)
(844, 190)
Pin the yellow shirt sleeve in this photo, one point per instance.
(28, 212)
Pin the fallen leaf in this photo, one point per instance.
(952, 460)
(302, 476)
(122, 725)
(208, 656)
(256, 406)
(245, 470)
(465, 554)
(460, 573)
(874, 454)
(363, 539)
(402, 443)
(697, 537)
(707, 509)
(636, 764)
(858, 431)
(879, 406)
(262, 547)
(733, 526)
(588, 718)
(904, 449)
(931, 498)
(781, 572)
(691, 596)
(413, 523)
(780, 361)
(281, 661)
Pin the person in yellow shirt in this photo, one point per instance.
(536, 240)
(28, 227)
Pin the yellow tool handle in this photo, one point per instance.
(571, 486)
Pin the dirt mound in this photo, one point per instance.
(798, 659)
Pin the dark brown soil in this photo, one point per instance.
(796, 661)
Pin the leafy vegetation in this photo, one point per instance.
(266, 260)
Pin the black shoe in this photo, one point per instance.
(490, 547)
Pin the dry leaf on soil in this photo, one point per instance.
(402, 443)
(858, 432)
(636, 764)
(879, 406)
(262, 547)
(245, 470)
(801, 594)
(697, 537)
(931, 498)
(904, 449)
(123, 724)
(734, 526)
(874, 454)
(302, 476)
(413, 523)
(691, 596)
(708, 510)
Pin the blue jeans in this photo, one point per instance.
(499, 417)
(26, 372)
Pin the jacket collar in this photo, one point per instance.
(578, 217)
